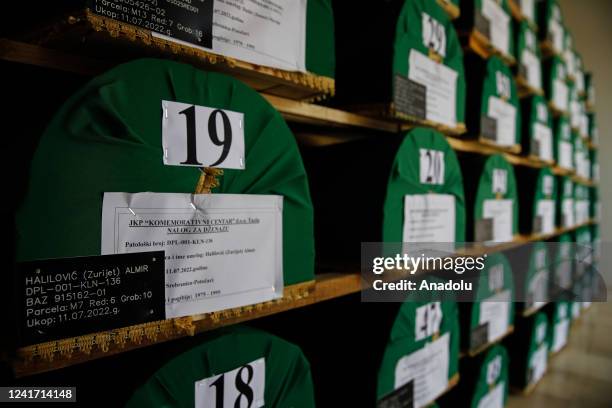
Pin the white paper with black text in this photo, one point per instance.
(495, 312)
(501, 212)
(499, 25)
(270, 33)
(428, 367)
(222, 250)
(429, 218)
(441, 84)
(505, 115)
(494, 398)
(229, 389)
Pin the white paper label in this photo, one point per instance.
(570, 60)
(429, 218)
(431, 166)
(548, 184)
(505, 114)
(428, 367)
(538, 362)
(268, 33)
(561, 334)
(199, 136)
(495, 312)
(500, 181)
(538, 287)
(557, 35)
(434, 35)
(494, 369)
(241, 387)
(222, 250)
(428, 320)
(494, 398)
(499, 25)
(546, 210)
(527, 9)
(441, 84)
(534, 69)
(566, 151)
(561, 95)
(543, 135)
(563, 272)
(496, 277)
(584, 123)
(501, 213)
(575, 113)
(582, 211)
(567, 206)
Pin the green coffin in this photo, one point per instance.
(320, 44)
(107, 138)
(537, 277)
(537, 135)
(491, 193)
(593, 130)
(250, 368)
(493, 111)
(583, 252)
(491, 315)
(529, 350)
(564, 144)
(493, 380)
(581, 157)
(422, 332)
(582, 204)
(590, 89)
(566, 209)
(492, 20)
(550, 24)
(529, 56)
(558, 331)
(537, 197)
(562, 266)
(409, 53)
(595, 204)
(425, 169)
(555, 84)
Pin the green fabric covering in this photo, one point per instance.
(527, 41)
(288, 382)
(402, 341)
(565, 200)
(485, 290)
(593, 130)
(558, 328)
(594, 203)
(562, 264)
(408, 36)
(107, 138)
(555, 69)
(540, 193)
(496, 359)
(505, 5)
(485, 189)
(405, 180)
(549, 10)
(537, 338)
(320, 44)
(535, 111)
(490, 88)
(563, 134)
(539, 263)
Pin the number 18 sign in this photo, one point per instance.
(201, 136)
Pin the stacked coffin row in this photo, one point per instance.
(503, 77)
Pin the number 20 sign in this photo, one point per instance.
(200, 136)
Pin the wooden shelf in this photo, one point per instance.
(477, 42)
(452, 10)
(88, 34)
(67, 352)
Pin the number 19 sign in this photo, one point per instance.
(200, 136)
